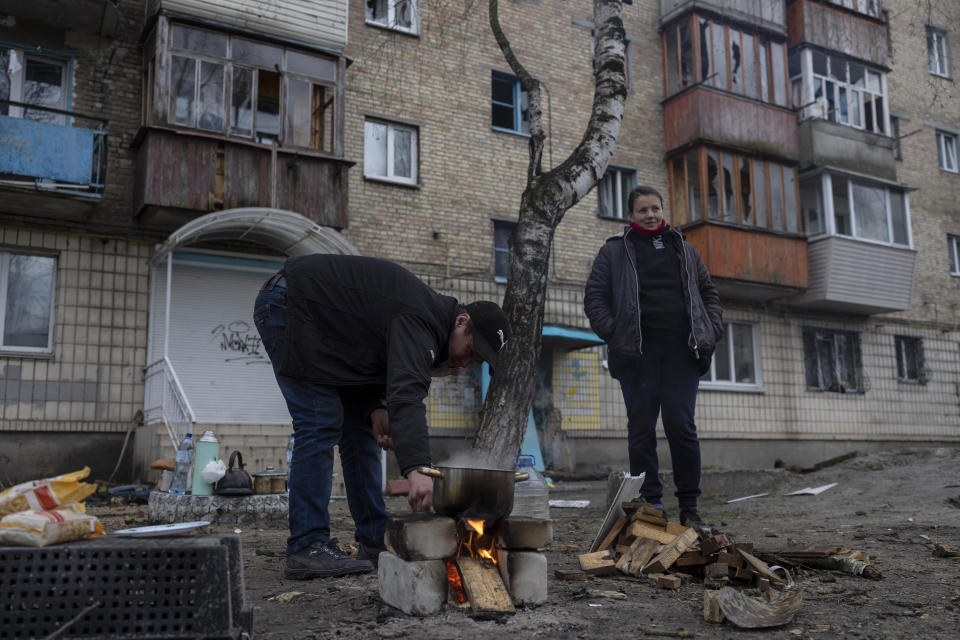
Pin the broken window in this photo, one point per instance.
(832, 360)
(32, 80)
(947, 150)
(937, 52)
(910, 364)
(502, 230)
(26, 302)
(844, 91)
(402, 15)
(735, 359)
(953, 249)
(612, 192)
(390, 151)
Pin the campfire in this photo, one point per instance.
(489, 567)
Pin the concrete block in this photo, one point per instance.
(528, 577)
(525, 533)
(417, 588)
(422, 536)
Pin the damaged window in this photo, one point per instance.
(402, 15)
(832, 360)
(909, 359)
(612, 192)
(32, 80)
(502, 230)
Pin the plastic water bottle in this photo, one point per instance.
(289, 460)
(184, 462)
(531, 497)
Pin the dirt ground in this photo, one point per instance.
(894, 506)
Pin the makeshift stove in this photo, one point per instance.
(487, 567)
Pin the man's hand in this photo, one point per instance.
(421, 491)
(381, 428)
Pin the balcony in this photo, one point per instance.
(828, 144)
(182, 174)
(98, 17)
(49, 163)
(750, 263)
(856, 35)
(852, 276)
(706, 114)
(765, 14)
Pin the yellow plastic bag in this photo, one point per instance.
(46, 494)
(40, 528)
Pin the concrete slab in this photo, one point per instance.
(417, 588)
(268, 510)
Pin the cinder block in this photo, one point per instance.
(422, 536)
(528, 577)
(525, 533)
(417, 588)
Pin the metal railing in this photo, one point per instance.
(166, 402)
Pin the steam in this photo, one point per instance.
(475, 460)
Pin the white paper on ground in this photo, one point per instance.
(756, 495)
(813, 491)
(573, 504)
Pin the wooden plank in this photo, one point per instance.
(643, 530)
(657, 521)
(612, 534)
(640, 553)
(571, 575)
(484, 586)
(598, 563)
(669, 555)
(675, 528)
(691, 559)
(760, 567)
(668, 582)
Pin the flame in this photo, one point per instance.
(473, 544)
(483, 553)
(456, 584)
(476, 525)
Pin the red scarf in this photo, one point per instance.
(649, 232)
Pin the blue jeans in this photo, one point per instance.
(324, 416)
(662, 381)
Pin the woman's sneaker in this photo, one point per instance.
(691, 518)
(323, 561)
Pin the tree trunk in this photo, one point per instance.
(547, 196)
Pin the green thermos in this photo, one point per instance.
(207, 449)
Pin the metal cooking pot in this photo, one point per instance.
(464, 492)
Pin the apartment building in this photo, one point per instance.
(160, 158)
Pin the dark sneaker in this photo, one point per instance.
(691, 518)
(370, 553)
(323, 561)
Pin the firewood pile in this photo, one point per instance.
(642, 543)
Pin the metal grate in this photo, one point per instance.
(187, 587)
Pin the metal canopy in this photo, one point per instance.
(285, 231)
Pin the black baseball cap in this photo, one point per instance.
(490, 329)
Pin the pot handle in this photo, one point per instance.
(430, 471)
(520, 477)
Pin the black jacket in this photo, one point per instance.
(612, 297)
(362, 321)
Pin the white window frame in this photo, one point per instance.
(709, 379)
(4, 284)
(900, 347)
(947, 151)
(620, 176)
(392, 129)
(18, 77)
(389, 21)
(866, 7)
(953, 249)
(938, 52)
(507, 225)
(818, 108)
(826, 201)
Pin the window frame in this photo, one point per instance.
(762, 216)
(620, 199)
(813, 106)
(709, 379)
(823, 183)
(866, 7)
(947, 143)
(18, 80)
(502, 225)
(389, 22)
(953, 249)
(900, 344)
(830, 335)
(21, 351)
(516, 106)
(938, 58)
(392, 128)
(289, 69)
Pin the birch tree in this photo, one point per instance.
(546, 197)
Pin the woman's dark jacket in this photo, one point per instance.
(612, 297)
(356, 321)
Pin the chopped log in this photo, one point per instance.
(668, 582)
(657, 521)
(744, 573)
(612, 534)
(669, 555)
(640, 553)
(571, 575)
(760, 567)
(484, 586)
(715, 583)
(732, 560)
(746, 546)
(691, 559)
(652, 511)
(801, 554)
(717, 570)
(675, 528)
(713, 544)
(636, 530)
(630, 507)
(598, 563)
(711, 608)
